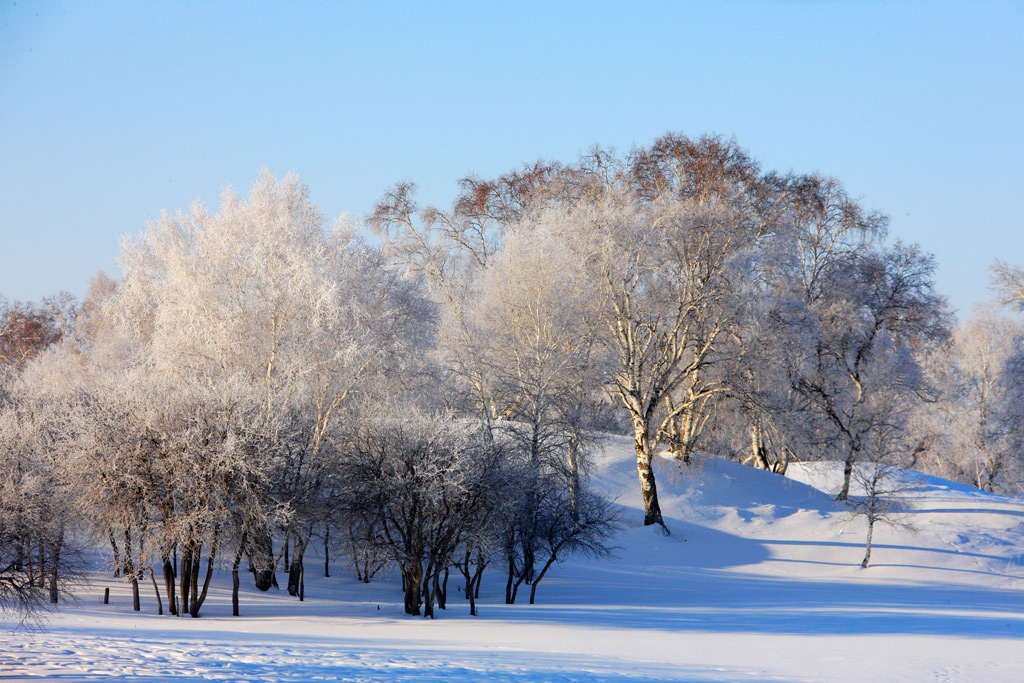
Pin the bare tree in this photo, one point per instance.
(883, 307)
(423, 484)
(883, 487)
(1008, 281)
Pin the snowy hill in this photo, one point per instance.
(759, 580)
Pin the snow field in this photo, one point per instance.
(759, 581)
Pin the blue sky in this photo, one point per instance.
(110, 112)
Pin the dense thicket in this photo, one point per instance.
(259, 383)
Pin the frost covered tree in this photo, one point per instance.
(37, 512)
(518, 333)
(881, 310)
(883, 490)
(661, 240)
(231, 348)
(38, 506)
(971, 420)
(423, 484)
(1008, 281)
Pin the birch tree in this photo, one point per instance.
(1008, 281)
(885, 306)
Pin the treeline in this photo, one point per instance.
(258, 382)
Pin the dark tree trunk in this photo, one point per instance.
(441, 588)
(844, 493)
(30, 567)
(42, 566)
(464, 567)
(294, 573)
(116, 551)
(234, 590)
(172, 599)
(573, 456)
(261, 562)
(198, 601)
(295, 569)
(127, 563)
(515, 588)
(186, 578)
(536, 582)
(467, 574)
(509, 595)
(428, 596)
(412, 578)
(327, 554)
(156, 589)
(197, 562)
(131, 571)
(234, 575)
(136, 604)
(54, 568)
(481, 564)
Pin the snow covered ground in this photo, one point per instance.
(759, 581)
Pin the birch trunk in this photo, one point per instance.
(648, 487)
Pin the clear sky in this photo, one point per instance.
(110, 112)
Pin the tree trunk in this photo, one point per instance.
(156, 589)
(844, 492)
(573, 456)
(302, 580)
(481, 564)
(509, 596)
(293, 574)
(428, 596)
(116, 551)
(197, 563)
(234, 575)
(136, 603)
(198, 602)
(41, 554)
(648, 488)
(54, 565)
(867, 553)
(533, 589)
(757, 449)
(327, 554)
(441, 589)
(299, 549)
(172, 599)
(261, 562)
(412, 577)
(186, 578)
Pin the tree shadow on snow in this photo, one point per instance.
(683, 583)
